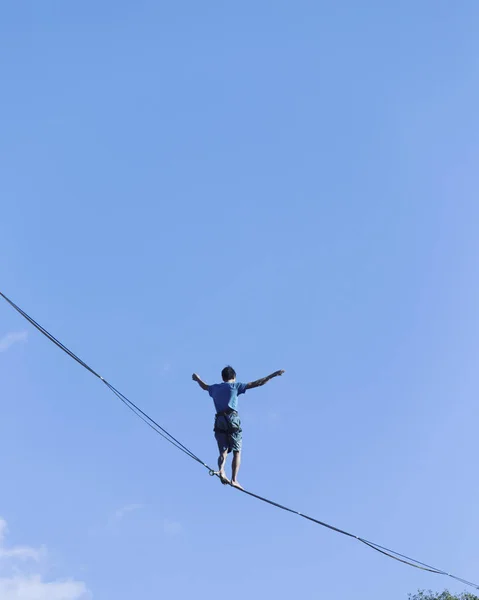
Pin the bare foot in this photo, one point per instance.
(236, 485)
(224, 479)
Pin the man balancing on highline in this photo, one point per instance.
(227, 422)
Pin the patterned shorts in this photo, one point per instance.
(228, 432)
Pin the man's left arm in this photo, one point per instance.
(202, 384)
(260, 382)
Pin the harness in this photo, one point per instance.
(228, 411)
(226, 420)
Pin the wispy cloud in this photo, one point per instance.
(9, 339)
(163, 368)
(20, 582)
(119, 514)
(172, 527)
(18, 552)
(23, 553)
(34, 588)
(273, 417)
(168, 526)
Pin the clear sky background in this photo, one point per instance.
(275, 185)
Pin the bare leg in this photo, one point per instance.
(221, 467)
(235, 468)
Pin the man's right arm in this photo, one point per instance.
(202, 384)
(260, 382)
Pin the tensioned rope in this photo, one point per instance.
(175, 442)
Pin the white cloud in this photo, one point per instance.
(33, 588)
(17, 552)
(124, 510)
(23, 553)
(19, 581)
(12, 338)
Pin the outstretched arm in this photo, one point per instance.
(260, 382)
(202, 384)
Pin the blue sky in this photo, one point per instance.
(272, 185)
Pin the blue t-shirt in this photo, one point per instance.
(225, 395)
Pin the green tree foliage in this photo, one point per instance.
(445, 595)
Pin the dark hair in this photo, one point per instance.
(228, 373)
